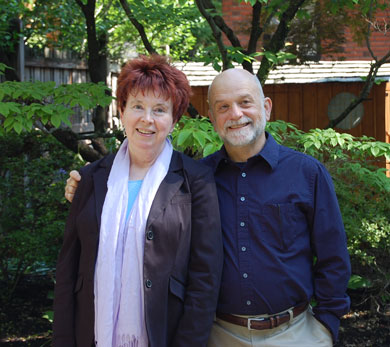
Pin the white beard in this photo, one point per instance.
(246, 135)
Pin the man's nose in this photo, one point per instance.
(236, 111)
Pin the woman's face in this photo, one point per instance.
(148, 120)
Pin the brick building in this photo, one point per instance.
(238, 14)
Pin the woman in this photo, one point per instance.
(142, 254)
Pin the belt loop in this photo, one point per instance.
(291, 313)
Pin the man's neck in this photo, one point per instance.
(241, 154)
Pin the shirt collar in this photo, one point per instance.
(270, 153)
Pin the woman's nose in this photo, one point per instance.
(147, 116)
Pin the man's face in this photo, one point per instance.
(237, 111)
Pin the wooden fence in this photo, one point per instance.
(306, 105)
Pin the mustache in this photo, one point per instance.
(243, 120)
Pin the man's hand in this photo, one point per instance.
(71, 185)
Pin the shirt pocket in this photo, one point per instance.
(283, 225)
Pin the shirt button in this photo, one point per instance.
(148, 283)
(248, 302)
(242, 224)
(243, 248)
(245, 275)
(243, 174)
(242, 198)
(149, 235)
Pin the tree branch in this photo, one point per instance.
(216, 33)
(369, 80)
(364, 92)
(278, 38)
(138, 26)
(256, 30)
(368, 33)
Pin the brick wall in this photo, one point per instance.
(380, 45)
(238, 17)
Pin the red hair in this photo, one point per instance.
(154, 73)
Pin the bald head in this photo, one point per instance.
(229, 79)
(239, 112)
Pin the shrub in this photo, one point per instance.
(34, 168)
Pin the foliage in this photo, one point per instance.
(23, 104)
(61, 24)
(195, 137)
(33, 210)
(10, 9)
(173, 23)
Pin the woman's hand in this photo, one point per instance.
(71, 185)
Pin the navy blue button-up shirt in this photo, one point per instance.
(278, 210)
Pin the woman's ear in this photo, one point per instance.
(173, 126)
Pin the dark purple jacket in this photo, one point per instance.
(182, 257)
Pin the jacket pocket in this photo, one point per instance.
(176, 288)
(79, 284)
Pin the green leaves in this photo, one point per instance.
(356, 282)
(279, 58)
(196, 137)
(329, 144)
(34, 167)
(24, 103)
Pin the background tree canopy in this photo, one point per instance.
(104, 31)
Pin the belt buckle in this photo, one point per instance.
(253, 319)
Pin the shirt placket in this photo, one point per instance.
(243, 238)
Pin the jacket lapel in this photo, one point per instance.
(168, 188)
(100, 178)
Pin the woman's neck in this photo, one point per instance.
(140, 165)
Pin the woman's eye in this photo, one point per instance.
(137, 107)
(159, 110)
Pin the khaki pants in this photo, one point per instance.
(302, 331)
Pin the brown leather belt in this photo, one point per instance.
(263, 322)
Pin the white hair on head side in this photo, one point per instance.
(260, 87)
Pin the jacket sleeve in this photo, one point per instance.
(66, 275)
(205, 264)
(332, 269)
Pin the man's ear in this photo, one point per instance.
(211, 118)
(268, 108)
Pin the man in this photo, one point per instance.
(284, 240)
